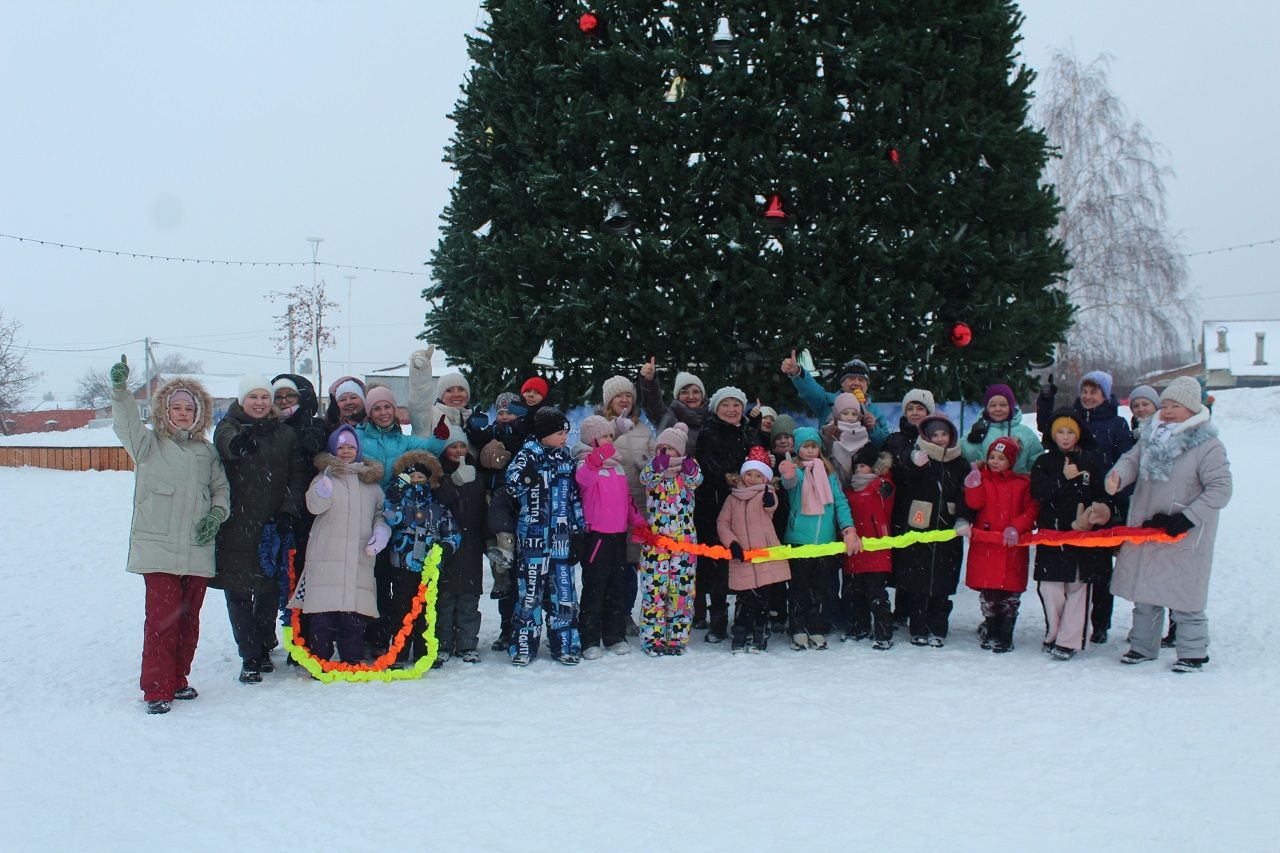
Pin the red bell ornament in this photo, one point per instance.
(589, 23)
(775, 215)
(960, 334)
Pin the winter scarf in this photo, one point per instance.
(850, 438)
(816, 489)
(1160, 451)
(858, 482)
(936, 453)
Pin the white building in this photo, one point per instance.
(1241, 353)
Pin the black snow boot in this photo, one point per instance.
(718, 628)
(739, 642)
(1003, 641)
(251, 671)
(987, 631)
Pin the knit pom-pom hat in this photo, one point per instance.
(676, 437)
(593, 429)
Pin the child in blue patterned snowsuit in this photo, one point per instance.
(549, 526)
(418, 520)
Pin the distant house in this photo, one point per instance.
(44, 418)
(1241, 353)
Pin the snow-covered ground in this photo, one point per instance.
(912, 749)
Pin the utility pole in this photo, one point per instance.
(146, 370)
(350, 328)
(315, 266)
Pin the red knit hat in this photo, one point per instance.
(536, 383)
(1009, 446)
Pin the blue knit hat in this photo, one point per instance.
(804, 434)
(1100, 378)
(345, 434)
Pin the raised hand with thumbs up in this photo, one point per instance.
(120, 373)
(790, 365)
(649, 369)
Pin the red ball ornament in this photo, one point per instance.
(960, 334)
(589, 23)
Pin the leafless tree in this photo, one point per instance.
(302, 325)
(16, 376)
(1128, 280)
(173, 363)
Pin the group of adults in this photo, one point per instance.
(201, 507)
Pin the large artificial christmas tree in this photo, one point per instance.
(714, 183)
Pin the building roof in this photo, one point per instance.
(1242, 346)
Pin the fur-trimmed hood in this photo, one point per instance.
(419, 457)
(160, 407)
(1158, 456)
(368, 471)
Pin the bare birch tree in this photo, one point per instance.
(302, 325)
(1128, 280)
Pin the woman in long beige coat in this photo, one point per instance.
(1183, 479)
(180, 498)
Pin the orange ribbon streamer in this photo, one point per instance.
(1107, 537)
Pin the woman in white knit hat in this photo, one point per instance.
(688, 405)
(1182, 481)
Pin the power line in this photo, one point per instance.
(87, 349)
(124, 253)
(1233, 248)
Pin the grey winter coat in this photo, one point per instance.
(339, 574)
(179, 479)
(1186, 473)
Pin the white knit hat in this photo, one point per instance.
(253, 382)
(684, 380)
(452, 379)
(285, 382)
(615, 385)
(726, 393)
(921, 396)
(1185, 391)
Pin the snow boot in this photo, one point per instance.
(854, 635)
(592, 653)
(1004, 635)
(1190, 664)
(718, 629)
(568, 659)
(184, 693)
(919, 640)
(250, 672)
(471, 656)
(738, 642)
(799, 641)
(817, 641)
(264, 660)
(621, 648)
(1134, 657)
(987, 631)
(1062, 653)
(1098, 637)
(521, 659)
(935, 641)
(882, 645)
(500, 645)
(159, 706)
(760, 639)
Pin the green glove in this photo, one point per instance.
(207, 527)
(120, 373)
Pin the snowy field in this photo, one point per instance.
(912, 749)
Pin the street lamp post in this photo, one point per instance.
(315, 266)
(350, 327)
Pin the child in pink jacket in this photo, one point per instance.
(745, 523)
(610, 514)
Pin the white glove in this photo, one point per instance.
(465, 474)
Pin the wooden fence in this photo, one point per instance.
(67, 458)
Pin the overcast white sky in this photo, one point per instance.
(236, 130)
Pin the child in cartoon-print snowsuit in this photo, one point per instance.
(549, 530)
(666, 578)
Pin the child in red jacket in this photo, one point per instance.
(998, 571)
(870, 496)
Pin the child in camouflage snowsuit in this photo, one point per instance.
(666, 609)
(549, 529)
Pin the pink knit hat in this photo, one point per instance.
(593, 428)
(676, 437)
(379, 394)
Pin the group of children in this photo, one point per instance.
(543, 507)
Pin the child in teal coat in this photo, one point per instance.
(818, 508)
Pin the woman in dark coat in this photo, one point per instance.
(930, 490)
(268, 474)
(723, 442)
(461, 576)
